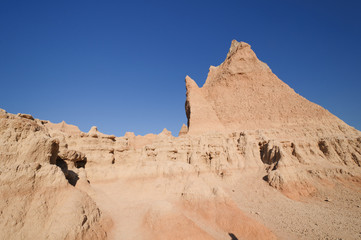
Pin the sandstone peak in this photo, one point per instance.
(242, 93)
(166, 132)
(93, 132)
(93, 129)
(235, 46)
(190, 83)
(183, 130)
(245, 127)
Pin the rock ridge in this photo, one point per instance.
(253, 162)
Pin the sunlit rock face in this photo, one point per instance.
(255, 162)
(37, 196)
(243, 94)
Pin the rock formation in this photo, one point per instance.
(243, 94)
(256, 161)
(183, 130)
(37, 201)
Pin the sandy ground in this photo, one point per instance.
(125, 207)
(332, 214)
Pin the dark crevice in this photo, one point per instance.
(54, 151)
(322, 145)
(265, 178)
(293, 146)
(233, 237)
(188, 112)
(269, 155)
(355, 159)
(80, 164)
(62, 164)
(70, 175)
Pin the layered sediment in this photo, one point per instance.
(252, 146)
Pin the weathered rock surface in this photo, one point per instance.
(36, 200)
(183, 130)
(256, 161)
(294, 135)
(243, 94)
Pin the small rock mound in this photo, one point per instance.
(183, 131)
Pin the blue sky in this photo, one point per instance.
(120, 65)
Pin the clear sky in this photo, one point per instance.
(120, 65)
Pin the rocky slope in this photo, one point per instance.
(299, 141)
(243, 94)
(37, 201)
(257, 161)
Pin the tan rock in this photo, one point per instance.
(165, 132)
(36, 200)
(183, 130)
(63, 127)
(253, 149)
(243, 94)
(27, 116)
(93, 132)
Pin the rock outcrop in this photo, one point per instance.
(294, 135)
(37, 200)
(243, 94)
(251, 144)
(63, 127)
(183, 130)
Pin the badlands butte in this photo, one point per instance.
(255, 161)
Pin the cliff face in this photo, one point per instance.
(294, 135)
(37, 200)
(243, 94)
(252, 149)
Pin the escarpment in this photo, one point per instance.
(250, 140)
(243, 94)
(295, 135)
